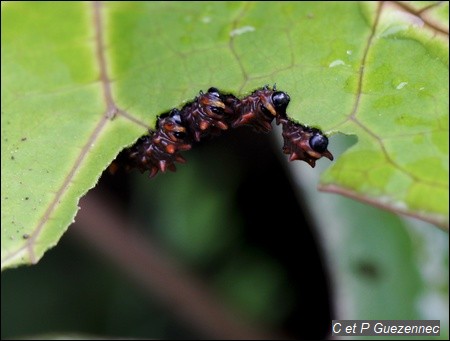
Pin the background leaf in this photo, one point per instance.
(380, 265)
(379, 72)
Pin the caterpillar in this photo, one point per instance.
(304, 143)
(161, 148)
(213, 112)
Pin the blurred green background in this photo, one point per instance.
(230, 218)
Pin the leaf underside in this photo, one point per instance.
(80, 81)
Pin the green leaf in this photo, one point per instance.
(57, 136)
(80, 81)
(400, 115)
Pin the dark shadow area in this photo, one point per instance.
(276, 224)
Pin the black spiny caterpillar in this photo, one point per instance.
(209, 114)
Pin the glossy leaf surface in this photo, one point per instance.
(80, 81)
